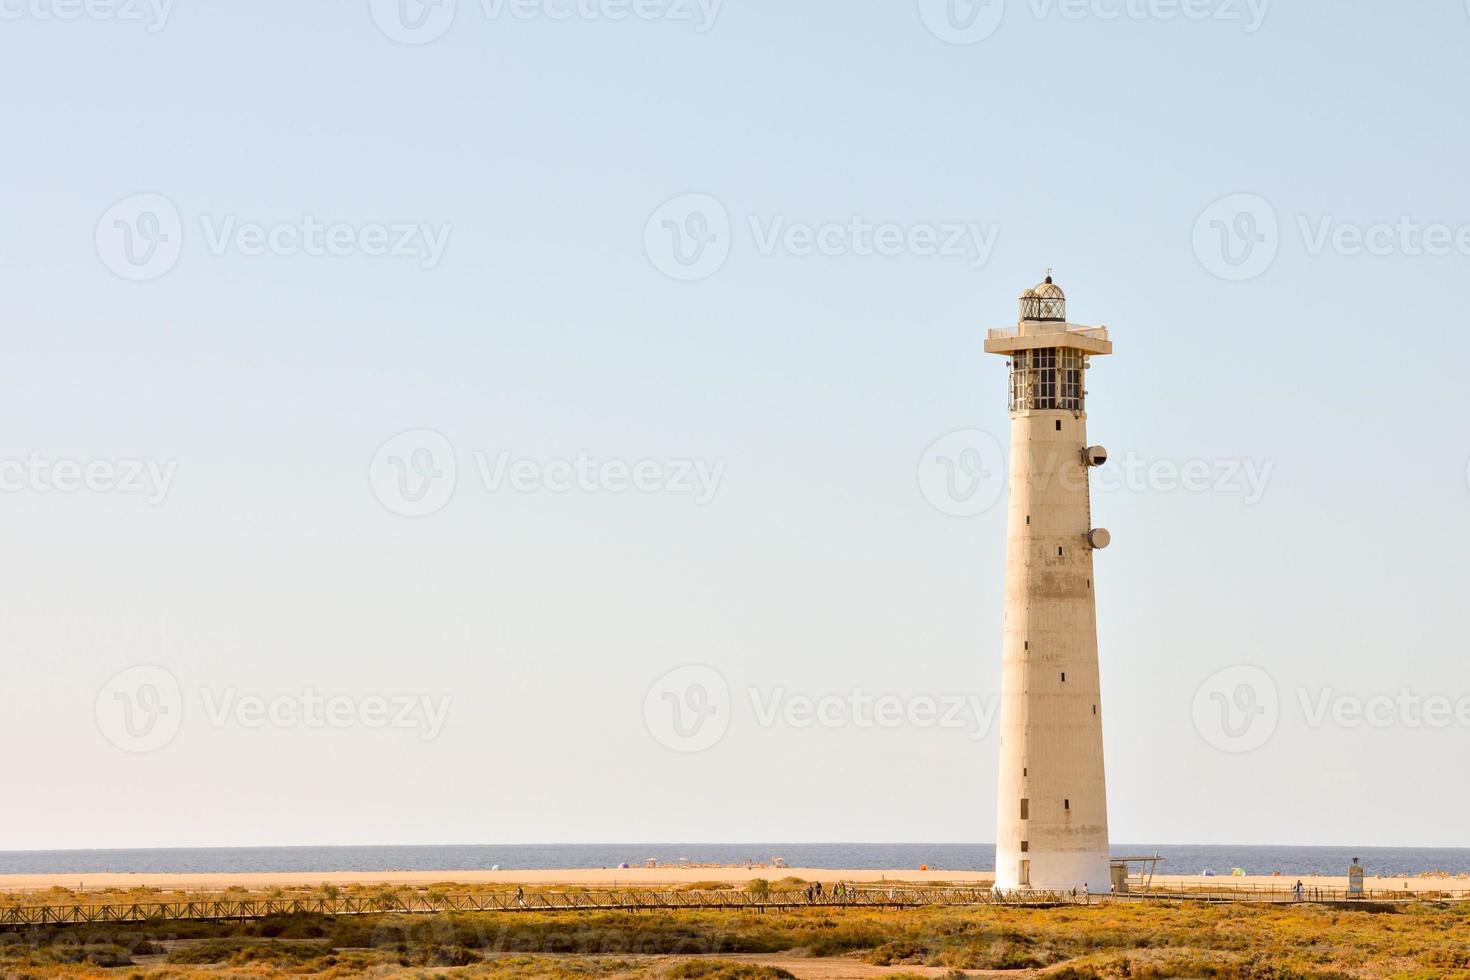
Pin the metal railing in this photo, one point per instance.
(1010, 333)
(1286, 894)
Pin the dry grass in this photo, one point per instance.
(1109, 940)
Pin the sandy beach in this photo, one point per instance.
(637, 878)
(595, 877)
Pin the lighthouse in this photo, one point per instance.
(1052, 825)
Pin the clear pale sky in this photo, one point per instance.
(808, 386)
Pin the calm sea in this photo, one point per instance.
(1179, 858)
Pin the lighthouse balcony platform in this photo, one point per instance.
(1031, 335)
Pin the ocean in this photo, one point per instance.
(1179, 858)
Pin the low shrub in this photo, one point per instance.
(725, 970)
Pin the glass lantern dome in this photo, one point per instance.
(1045, 302)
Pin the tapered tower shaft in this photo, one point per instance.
(1052, 820)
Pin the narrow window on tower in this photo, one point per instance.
(1028, 644)
(1025, 809)
(1025, 846)
(1028, 520)
(1064, 677)
(1094, 709)
(1059, 425)
(1066, 804)
(1059, 552)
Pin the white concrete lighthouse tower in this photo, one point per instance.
(1052, 830)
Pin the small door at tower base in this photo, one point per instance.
(1025, 877)
(1120, 878)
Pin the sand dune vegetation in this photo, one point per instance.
(1108, 940)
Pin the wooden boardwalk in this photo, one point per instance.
(630, 900)
(642, 900)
